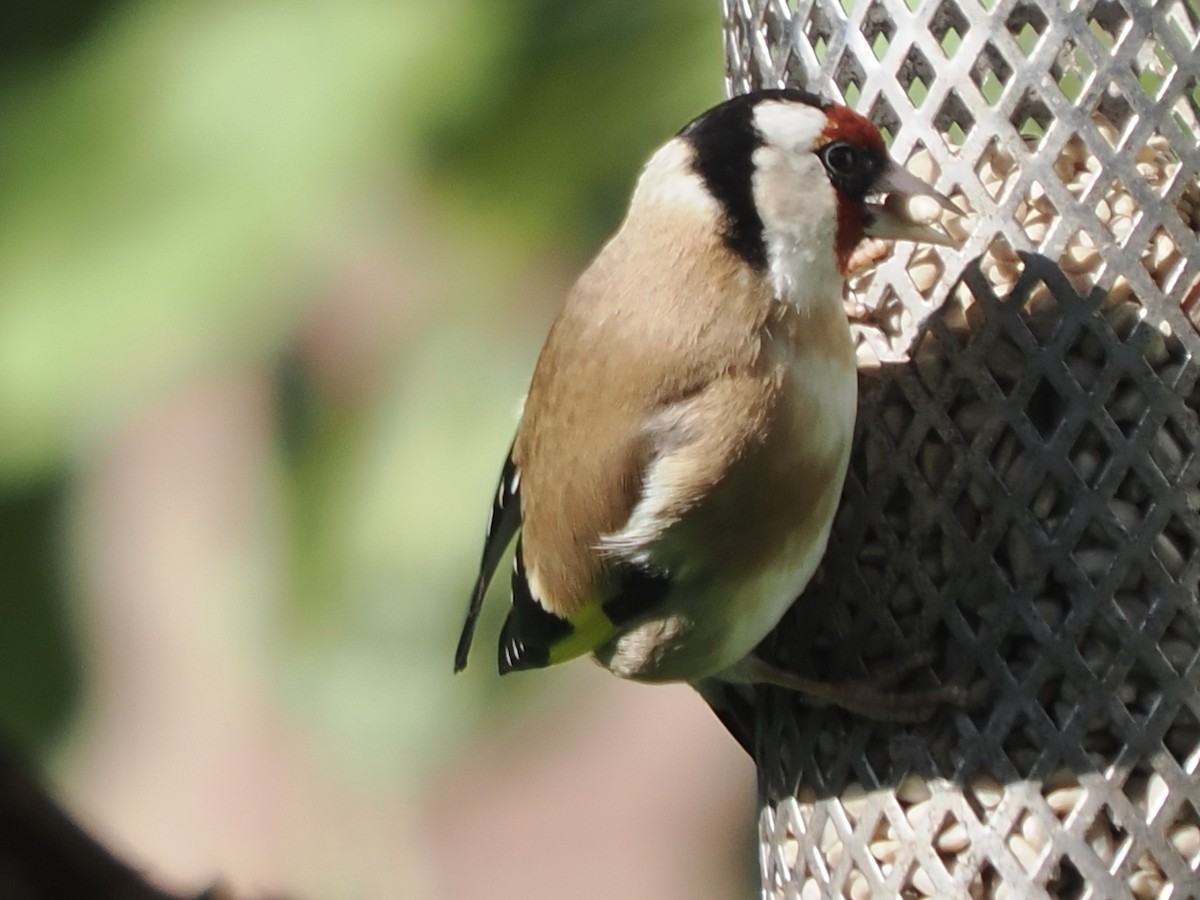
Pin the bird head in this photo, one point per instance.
(796, 178)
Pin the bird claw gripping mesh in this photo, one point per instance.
(1023, 501)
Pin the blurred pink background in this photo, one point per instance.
(272, 281)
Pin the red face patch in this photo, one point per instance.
(851, 229)
(846, 125)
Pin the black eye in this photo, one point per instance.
(841, 159)
(852, 168)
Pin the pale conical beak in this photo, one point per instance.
(892, 220)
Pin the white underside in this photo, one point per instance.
(708, 622)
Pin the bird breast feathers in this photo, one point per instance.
(665, 364)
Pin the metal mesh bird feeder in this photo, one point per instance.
(1023, 503)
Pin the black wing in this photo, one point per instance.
(502, 524)
(530, 629)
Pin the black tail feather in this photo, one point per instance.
(503, 523)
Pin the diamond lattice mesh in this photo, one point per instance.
(1023, 503)
(1069, 129)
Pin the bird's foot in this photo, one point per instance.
(875, 698)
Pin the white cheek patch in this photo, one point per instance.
(789, 126)
(795, 201)
(798, 207)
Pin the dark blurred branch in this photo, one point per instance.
(45, 855)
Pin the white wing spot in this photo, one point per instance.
(649, 519)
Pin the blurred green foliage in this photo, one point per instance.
(177, 186)
(161, 180)
(590, 88)
(39, 677)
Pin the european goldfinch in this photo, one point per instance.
(686, 433)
